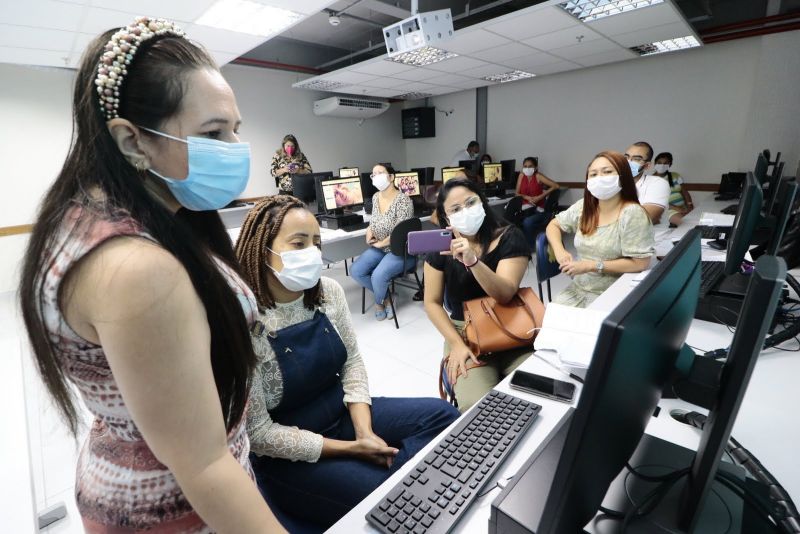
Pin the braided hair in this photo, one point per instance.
(262, 224)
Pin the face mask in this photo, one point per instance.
(218, 173)
(528, 171)
(301, 268)
(662, 168)
(289, 150)
(634, 167)
(604, 187)
(380, 181)
(469, 220)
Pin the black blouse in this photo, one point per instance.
(459, 283)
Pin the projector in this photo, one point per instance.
(418, 31)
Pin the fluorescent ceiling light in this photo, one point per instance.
(668, 45)
(423, 56)
(512, 76)
(589, 10)
(413, 96)
(321, 85)
(245, 16)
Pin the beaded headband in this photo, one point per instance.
(119, 52)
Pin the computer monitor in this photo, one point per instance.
(492, 172)
(762, 164)
(470, 166)
(304, 187)
(340, 193)
(509, 170)
(748, 216)
(348, 172)
(635, 353)
(451, 172)
(773, 185)
(426, 174)
(318, 177)
(367, 188)
(785, 201)
(407, 182)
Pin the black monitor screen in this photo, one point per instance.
(318, 178)
(508, 170)
(748, 216)
(367, 189)
(785, 202)
(304, 187)
(774, 181)
(470, 166)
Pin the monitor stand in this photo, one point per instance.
(336, 220)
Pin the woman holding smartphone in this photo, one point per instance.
(484, 259)
(287, 161)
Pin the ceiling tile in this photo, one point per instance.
(382, 92)
(443, 90)
(534, 22)
(381, 67)
(176, 10)
(448, 79)
(651, 35)
(417, 74)
(351, 90)
(348, 76)
(467, 41)
(585, 49)
(307, 7)
(472, 84)
(416, 87)
(508, 51)
(646, 17)
(385, 82)
(223, 40)
(457, 64)
(606, 57)
(30, 56)
(552, 68)
(488, 70)
(25, 37)
(533, 61)
(43, 14)
(562, 38)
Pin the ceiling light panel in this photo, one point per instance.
(506, 77)
(427, 55)
(589, 10)
(246, 16)
(413, 96)
(668, 45)
(320, 85)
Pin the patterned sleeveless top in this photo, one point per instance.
(120, 486)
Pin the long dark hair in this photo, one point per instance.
(152, 93)
(491, 227)
(666, 155)
(591, 215)
(261, 225)
(290, 138)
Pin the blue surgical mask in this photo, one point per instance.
(634, 167)
(218, 173)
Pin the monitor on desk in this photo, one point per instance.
(348, 172)
(470, 166)
(407, 183)
(492, 172)
(367, 187)
(451, 172)
(773, 185)
(748, 216)
(425, 174)
(508, 172)
(785, 202)
(304, 187)
(340, 193)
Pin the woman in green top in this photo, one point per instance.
(680, 201)
(613, 234)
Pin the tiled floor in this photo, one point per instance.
(400, 362)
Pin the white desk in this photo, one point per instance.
(766, 425)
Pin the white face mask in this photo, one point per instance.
(661, 168)
(528, 171)
(468, 221)
(604, 187)
(380, 181)
(301, 268)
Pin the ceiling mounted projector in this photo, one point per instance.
(418, 31)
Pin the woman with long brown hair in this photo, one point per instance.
(287, 161)
(140, 308)
(613, 234)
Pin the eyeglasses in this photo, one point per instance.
(637, 159)
(469, 203)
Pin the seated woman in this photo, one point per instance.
(534, 187)
(376, 266)
(485, 258)
(613, 234)
(680, 201)
(319, 443)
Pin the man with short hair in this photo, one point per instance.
(653, 191)
(472, 151)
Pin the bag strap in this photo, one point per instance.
(490, 312)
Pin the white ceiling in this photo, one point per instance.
(55, 32)
(541, 39)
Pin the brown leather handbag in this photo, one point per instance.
(491, 327)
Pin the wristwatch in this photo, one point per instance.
(599, 266)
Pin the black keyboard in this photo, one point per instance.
(442, 486)
(709, 232)
(422, 212)
(730, 210)
(712, 273)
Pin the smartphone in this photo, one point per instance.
(426, 241)
(543, 386)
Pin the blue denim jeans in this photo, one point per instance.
(374, 270)
(319, 494)
(534, 224)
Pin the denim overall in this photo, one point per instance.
(310, 355)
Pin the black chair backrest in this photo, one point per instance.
(511, 213)
(399, 237)
(551, 202)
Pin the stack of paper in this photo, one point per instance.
(716, 219)
(570, 332)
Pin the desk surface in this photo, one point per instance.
(766, 425)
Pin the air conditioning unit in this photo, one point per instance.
(349, 107)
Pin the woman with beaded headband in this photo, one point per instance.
(131, 295)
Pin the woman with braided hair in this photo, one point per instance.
(319, 442)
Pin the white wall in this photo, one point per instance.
(714, 108)
(453, 132)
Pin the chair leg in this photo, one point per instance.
(394, 310)
(541, 295)
(363, 300)
(345, 268)
(549, 293)
(419, 284)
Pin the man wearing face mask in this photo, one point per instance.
(376, 266)
(471, 152)
(653, 191)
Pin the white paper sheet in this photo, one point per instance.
(571, 332)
